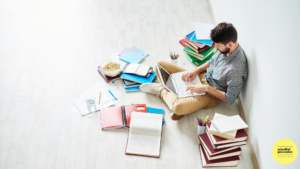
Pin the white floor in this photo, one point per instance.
(49, 53)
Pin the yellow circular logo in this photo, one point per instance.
(285, 151)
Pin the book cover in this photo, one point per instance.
(207, 144)
(223, 162)
(138, 79)
(192, 36)
(196, 61)
(132, 89)
(182, 42)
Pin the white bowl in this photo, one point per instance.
(111, 73)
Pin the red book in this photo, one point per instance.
(107, 78)
(209, 147)
(119, 116)
(182, 42)
(241, 135)
(131, 108)
(223, 162)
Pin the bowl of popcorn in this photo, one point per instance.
(111, 68)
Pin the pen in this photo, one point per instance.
(99, 98)
(200, 122)
(206, 118)
(112, 94)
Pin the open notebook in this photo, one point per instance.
(144, 137)
(138, 69)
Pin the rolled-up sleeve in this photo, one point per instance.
(235, 83)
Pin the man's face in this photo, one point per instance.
(224, 49)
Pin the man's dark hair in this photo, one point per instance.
(224, 33)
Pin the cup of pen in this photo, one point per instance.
(201, 125)
(201, 130)
(174, 57)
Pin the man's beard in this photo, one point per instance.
(225, 51)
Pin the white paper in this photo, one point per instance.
(203, 30)
(94, 91)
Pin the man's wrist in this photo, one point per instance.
(207, 89)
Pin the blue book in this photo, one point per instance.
(132, 89)
(192, 36)
(138, 79)
(139, 50)
(131, 57)
(131, 85)
(155, 110)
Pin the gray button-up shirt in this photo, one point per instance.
(228, 73)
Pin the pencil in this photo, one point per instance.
(99, 98)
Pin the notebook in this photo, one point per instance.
(138, 79)
(132, 89)
(119, 116)
(241, 135)
(223, 162)
(137, 69)
(203, 30)
(132, 57)
(130, 85)
(145, 133)
(229, 124)
(132, 50)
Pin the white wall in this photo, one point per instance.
(268, 31)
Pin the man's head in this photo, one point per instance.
(224, 36)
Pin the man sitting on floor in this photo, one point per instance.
(222, 77)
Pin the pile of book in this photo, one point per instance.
(197, 50)
(221, 145)
(133, 74)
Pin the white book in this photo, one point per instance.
(229, 124)
(221, 116)
(144, 137)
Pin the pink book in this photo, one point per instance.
(121, 53)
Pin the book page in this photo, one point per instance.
(144, 134)
(131, 68)
(142, 70)
(143, 144)
(146, 123)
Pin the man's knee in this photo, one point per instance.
(178, 109)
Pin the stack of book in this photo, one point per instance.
(197, 51)
(133, 74)
(221, 145)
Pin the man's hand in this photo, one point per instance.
(189, 76)
(199, 88)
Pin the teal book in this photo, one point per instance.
(138, 79)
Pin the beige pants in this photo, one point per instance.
(186, 105)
